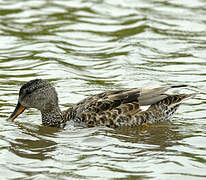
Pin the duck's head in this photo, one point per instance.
(37, 93)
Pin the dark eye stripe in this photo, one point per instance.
(29, 91)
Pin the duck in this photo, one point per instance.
(113, 109)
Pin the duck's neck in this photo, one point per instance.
(52, 117)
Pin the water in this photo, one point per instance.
(86, 47)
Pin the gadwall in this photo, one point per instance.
(111, 109)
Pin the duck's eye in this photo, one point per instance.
(28, 91)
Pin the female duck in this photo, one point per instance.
(112, 109)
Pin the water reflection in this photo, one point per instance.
(37, 146)
(33, 149)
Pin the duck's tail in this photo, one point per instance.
(165, 108)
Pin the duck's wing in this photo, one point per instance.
(110, 105)
(112, 99)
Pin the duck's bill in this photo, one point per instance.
(18, 110)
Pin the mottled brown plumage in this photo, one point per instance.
(112, 109)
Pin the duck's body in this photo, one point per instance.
(112, 109)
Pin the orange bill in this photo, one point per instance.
(18, 110)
